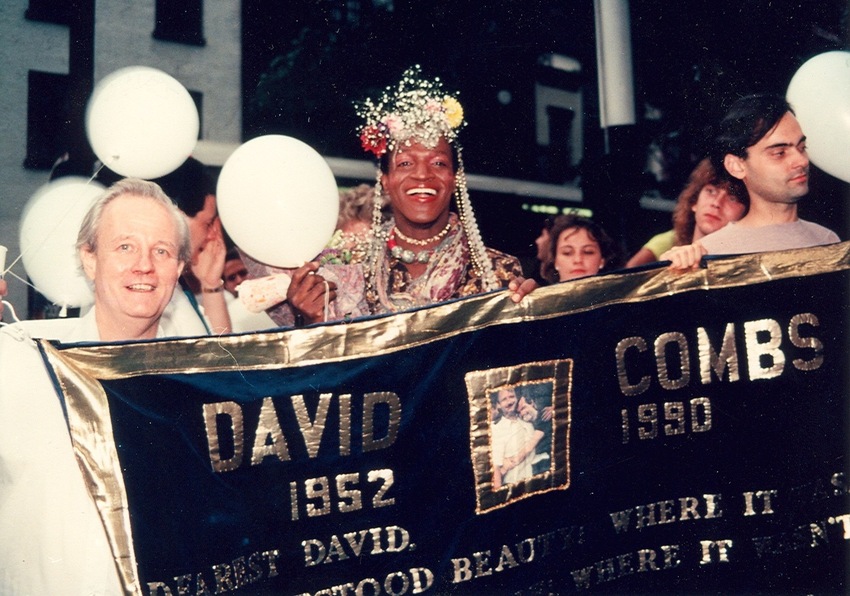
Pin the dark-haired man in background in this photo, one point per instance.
(760, 146)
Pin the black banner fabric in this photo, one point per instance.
(644, 432)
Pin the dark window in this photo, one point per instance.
(46, 126)
(180, 21)
(48, 11)
(198, 98)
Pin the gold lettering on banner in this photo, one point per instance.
(414, 581)
(371, 542)
(485, 563)
(232, 411)
(675, 418)
(844, 520)
(682, 361)
(370, 402)
(667, 511)
(225, 425)
(672, 364)
(317, 489)
(674, 413)
(819, 490)
(268, 429)
(709, 547)
(718, 362)
(386, 478)
(312, 430)
(641, 561)
(349, 498)
(803, 537)
(765, 496)
(222, 577)
(626, 386)
(648, 414)
(800, 341)
(343, 493)
(345, 424)
(765, 359)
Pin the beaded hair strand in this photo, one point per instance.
(379, 239)
(477, 252)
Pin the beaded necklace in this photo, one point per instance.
(426, 241)
(406, 255)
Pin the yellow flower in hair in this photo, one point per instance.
(454, 111)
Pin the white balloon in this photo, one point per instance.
(48, 234)
(278, 200)
(819, 92)
(141, 122)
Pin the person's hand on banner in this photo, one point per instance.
(520, 287)
(684, 257)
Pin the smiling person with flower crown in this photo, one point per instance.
(424, 253)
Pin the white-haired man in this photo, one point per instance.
(133, 245)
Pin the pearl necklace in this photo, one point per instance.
(426, 241)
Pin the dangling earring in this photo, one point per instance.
(379, 240)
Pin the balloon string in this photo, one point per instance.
(11, 311)
(9, 305)
(22, 280)
(327, 296)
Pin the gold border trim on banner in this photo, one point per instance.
(380, 335)
(90, 426)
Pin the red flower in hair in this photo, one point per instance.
(372, 139)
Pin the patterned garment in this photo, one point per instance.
(449, 275)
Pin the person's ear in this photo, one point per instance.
(734, 165)
(89, 262)
(180, 266)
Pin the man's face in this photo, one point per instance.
(420, 182)
(234, 274)
(776, 169)
(507, 402)
(202, 226)
(135, 268)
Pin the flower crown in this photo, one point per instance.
(416, 109)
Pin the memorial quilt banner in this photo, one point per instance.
(638, 432)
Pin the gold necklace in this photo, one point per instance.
(426, 241)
